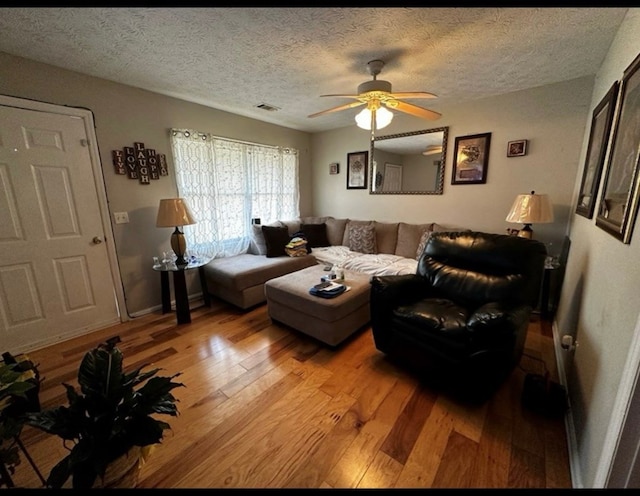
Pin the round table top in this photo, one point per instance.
(194, 263)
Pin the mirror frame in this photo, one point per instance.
(440, 180)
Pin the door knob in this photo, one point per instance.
(97, 240)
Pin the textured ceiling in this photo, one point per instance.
(234, 59)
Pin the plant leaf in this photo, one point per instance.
(60, 473)
(100, 373)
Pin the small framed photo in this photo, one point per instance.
(334, 168)
(357, 170)
(517, 148)
(471, 159)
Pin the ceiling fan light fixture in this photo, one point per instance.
(382, 115)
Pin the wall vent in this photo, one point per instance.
(266, 106)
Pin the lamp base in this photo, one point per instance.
(526, 232)
(179, 246)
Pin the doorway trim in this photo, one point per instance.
(98, 179)
(619, 461)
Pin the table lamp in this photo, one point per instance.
(174, 212)
(530, 209)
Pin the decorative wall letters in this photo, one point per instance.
(140, 163)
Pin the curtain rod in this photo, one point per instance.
(230, 140)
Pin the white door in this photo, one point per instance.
(55, 274)
(392, 178)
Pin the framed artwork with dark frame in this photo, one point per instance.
(596, 151)
(619, 200)
(357, 170)
(471, 159)
(334, 168)
(517, 148)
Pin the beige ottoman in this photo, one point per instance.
(328, 320)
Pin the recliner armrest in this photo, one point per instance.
(389, 290)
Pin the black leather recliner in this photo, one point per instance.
(461, 321)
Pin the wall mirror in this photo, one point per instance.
(409, 163)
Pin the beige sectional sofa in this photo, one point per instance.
(367, 246)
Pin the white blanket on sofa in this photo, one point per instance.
(380, 264)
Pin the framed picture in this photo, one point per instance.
(357, 170)
(471, 159)
(596, 151)
(334, 168)
(517, 148)
(619, 201)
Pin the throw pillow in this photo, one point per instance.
(316, 234)
(362, 239)
(423, 243)
(258, 243)
(276, 238)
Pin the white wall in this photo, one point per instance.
(552, 118)
(600, 298)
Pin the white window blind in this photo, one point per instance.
(226, 183)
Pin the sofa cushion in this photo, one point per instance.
(276, 238)
(386, 237)
(315, 220)
(292, 224)
(409, 237)
(335, 231)
(244, 271)
(316, 234)
(362, 239)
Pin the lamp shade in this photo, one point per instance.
(174, 212)
(531, 209)
(383, 118)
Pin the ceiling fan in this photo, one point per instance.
(377, 95)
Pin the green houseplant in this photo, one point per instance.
(109, 420)
(19, 386)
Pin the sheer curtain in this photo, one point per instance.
(227, 183)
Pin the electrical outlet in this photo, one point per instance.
(121, 217)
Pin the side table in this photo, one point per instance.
(549, 283)
(183, 313)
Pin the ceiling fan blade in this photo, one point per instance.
(413, 94)
(414, 110)
(335, 109)
(344, 96)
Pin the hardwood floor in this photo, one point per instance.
(267, 407)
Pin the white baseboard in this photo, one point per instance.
(569, 424)
(146, 311)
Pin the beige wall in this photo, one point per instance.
(552, 118)
(124, 114)
(600, 299)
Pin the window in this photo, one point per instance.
(227, 183)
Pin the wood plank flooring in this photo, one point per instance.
(267, 407)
